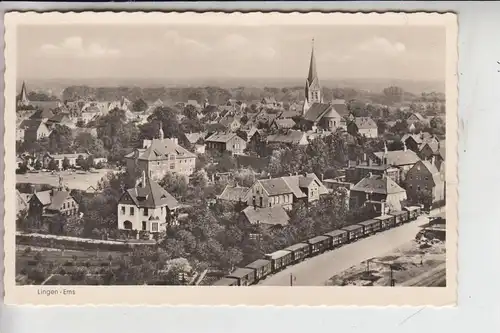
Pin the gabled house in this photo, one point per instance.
(279, 124)
(364, 126)
(52, 202)
(62, 119)
(425, 184)
(378, 191)
(159, 156)
(234, 194)
(417, 143)
(284, 191)
(230, 123)
(42, 115)
(33, 130)
(401, 159)
(146, 207)
(226, 142)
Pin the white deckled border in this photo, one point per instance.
(251, 296)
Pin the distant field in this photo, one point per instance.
(74, 180)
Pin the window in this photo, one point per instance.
(261, 204)
(123, 210)
(144, 225)
(154, 227)
(172, 157)
(172, 166)
(132, 211)
(145, 213)
(426, 178)
(269, 204)
(418, 187)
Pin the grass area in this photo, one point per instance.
(78, 180)
(408, 263)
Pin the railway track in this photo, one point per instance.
(433, 278)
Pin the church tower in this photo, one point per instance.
(23, 97)
(313, 88)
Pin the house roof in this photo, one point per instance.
(275, 186)
(284, 123)
(193, 137)
(159, 150)
(221, 137)
(399, 157)
(377, 184)
(227, 121)
(442, 149)
(269, 215)
(269, 100)
(365, 123)
(21, 202)
(69, 156)
(58, 198)
(151, 195)
(234, 193)
(292, 136)
(303, 181)
(436, 174)
(41, 114)
(59, 117)
(289, 114)
(30, 124)
(418, 116)
(316, 111)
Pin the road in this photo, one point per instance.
(317, 270)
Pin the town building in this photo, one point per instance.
(234, 194)
(159, 156)
(279, 124)
(230, 123)
(284, 191)
(425, 184)
(379, 192)
(424, 144)
(32, 130)
(59, 158)
(226, 142)
(401, 159)
(52, 202)
(358, 170)
(22, 100)
(63, 119)
(364, 126)
(42, 115)
(146, 207)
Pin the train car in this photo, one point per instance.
(319, 244)
(245, 276)
(279, 259)
(386, 221)
(354, 232)
(413, 212)
(400, 216)
(262, 268)
(226, 282)
(299, 251)
(371, 226)
(338, 238)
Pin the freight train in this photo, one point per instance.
(281, 259)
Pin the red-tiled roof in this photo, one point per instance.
(377, 184)
(152, 195)
(269, 215)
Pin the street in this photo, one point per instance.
(317, 270)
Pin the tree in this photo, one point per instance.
(38, 165)
(175, 184)
(61, 140)
(65, 164)
(139, 105)
(82, 162)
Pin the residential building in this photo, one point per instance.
(226, 142)
(401, 159)
(358, 170)
(364, 126)
(234, 194)
(378, 191)
(425, 184)
(290, 137)
(270, 102)
(159, 156)
(63, 119)
(416, 117)
(230, 123)
(42, 115)
(424, 144)
(284, 191)
(51, 202)
(146, 207)
(279, 124)
(33, 130)
(268, 217)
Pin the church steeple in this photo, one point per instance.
(23, 97)
(313, 87)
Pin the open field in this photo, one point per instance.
(412, 265)
(79, 180)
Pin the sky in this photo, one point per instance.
(121, 51)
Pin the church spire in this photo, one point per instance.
(23, 97)
(313, 75)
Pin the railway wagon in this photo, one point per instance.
(226, 282)
(386, 221)
(400, 216)
(371, 226)
(413, 212)
(279, 259)
(319, 244)
(299, 251)
(354, 232)
(261, 267)
(338, 237)
(244, 276)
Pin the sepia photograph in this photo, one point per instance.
(256, 150)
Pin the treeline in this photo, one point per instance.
(214, 95)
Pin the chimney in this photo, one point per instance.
(433, 160)
(404, 146)
(322, 177)
(143, 178)
(364, 156)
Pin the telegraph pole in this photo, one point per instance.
(291, 280)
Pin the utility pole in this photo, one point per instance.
(291, 280)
